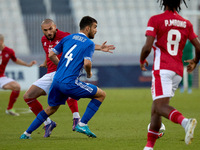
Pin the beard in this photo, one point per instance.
(90, 35)
(51, 38)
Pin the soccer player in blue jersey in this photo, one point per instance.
(77, 54)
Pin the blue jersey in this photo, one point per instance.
(75, 48)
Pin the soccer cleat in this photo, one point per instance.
(85, 130)
(48, 128)
(160, 134)
(189, 130)
(11, 112)
(75, 122)
(147, 148)
(24, 136)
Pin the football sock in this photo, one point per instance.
(175, 116)
(184, 122)
(82, 124)
(13, 97)
(189, 80)
(151, 138)
(41, 117)
(73, 104)
(48, 121)
(91, 109)
(34, 105)
(76, 115)
(27, 133)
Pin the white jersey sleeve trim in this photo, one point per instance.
(88, 58)
(55, 51)
(150, 29)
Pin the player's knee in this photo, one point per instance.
(159, 110)
(16, 87)
(103, 95)
(26, 95)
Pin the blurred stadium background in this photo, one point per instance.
(120, 22)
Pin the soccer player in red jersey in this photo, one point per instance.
(167, 33)
(6, 83)
(51, 38)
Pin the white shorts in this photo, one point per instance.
(45, 82)
(164, 83)
(4, 81)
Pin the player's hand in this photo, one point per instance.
(89, 75)
(142, 66)
(43, 65)
(191, 66)
(32, 63)
(107, 48)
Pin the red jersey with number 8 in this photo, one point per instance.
(171, 32)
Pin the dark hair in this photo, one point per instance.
(172, 4)
(86, 21)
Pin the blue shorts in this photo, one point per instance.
(59, 92)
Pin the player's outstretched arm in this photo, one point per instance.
(87, 67)
(44, 64)
(53, 57)
(104, 47)
(21, 62)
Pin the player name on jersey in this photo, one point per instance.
(174, 22)
(79, 38)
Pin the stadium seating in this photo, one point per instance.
(12, 27)
(58, 10)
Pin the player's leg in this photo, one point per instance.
(91, 109)
(55, 99)
(164, 85)
(93, 106)
(73, 105)
(30, 97)
(10, 84)
(41, 117)
(39, 88)
(153, 131)
(190, 76)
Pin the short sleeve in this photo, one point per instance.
(151, 27)
(192, 34)
(89, 52)
(12, 55)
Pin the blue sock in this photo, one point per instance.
(91, 109)
(41, 117)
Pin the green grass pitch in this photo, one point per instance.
(120, 124)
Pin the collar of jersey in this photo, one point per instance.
(82, 33)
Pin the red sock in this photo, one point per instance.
(34, 105)
(175, 116)
(13, 97)
(151, 138)
(73, 104)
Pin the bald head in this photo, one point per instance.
(47, 21)
(1, 37)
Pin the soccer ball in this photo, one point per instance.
(162, 128)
